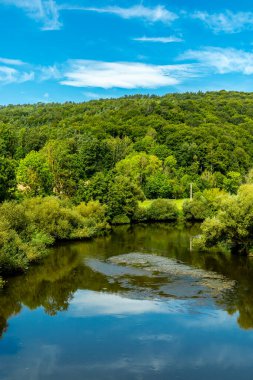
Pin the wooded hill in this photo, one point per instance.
(160, 144)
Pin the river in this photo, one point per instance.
(139, 303)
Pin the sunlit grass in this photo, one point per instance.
(178, 203)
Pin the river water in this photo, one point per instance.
(137, 304)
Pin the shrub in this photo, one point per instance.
(162, 210)
(204, 204)
(121, 219)
(141, 215)
(28, 228)
(232, 225)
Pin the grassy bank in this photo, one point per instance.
(177, 202)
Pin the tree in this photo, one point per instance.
(139, 167)
(34, 175)
(64, 164)
(159, 185)
(233, 224)
(232, 182)
(7, 178)
(123, 195)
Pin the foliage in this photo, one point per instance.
(159, 185)
(7, 178)
(233, 224)
(1, 283)
(29, 227)
(121, 219)
(141, 214)
(34, 175)
(115, 152)
(157, 210)
(232, 182)
(123, 195)
(162, 143)
(162, 210)
(204, 204)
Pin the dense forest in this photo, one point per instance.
(69, 170)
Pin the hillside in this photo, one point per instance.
(163, 143)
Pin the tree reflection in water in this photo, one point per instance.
(52, 285)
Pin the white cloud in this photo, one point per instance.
(126, 75)
(44, 11)
(97, 74)
(10, 75)
(47, 12)
(222, 60)
(49, 72)
(88, 303)
(228, 22)
(11, 62)
(164, 40)
(158, 13)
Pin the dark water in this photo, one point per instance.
(82, 315)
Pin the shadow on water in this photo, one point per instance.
(71, 267)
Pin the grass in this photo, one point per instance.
(178, 203)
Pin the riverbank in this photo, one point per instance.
(29, 227)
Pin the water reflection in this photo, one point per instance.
(87, 303)
(135, 347)
(83, 266)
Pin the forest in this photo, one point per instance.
(69, 171)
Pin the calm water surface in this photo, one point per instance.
(85, 314)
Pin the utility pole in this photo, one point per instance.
(191, 192)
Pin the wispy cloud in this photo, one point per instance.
(158, 13)
(164, 40)
(14, 71)
(43, 11)
(10, 75)
(227, 22)
(126, 75)
(222, 60)
(11, 62)
(49, 72)
(97, 74)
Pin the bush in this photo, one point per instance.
(28, 228)
(121, 219)
(162, 210)
(204, 204)
(141, 215)
(232, 225)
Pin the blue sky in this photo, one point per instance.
(76, 50)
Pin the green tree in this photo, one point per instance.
(34, 176)
(159, 186)
(233, 224)
(123, 195)
(64, 164)
(7, 178)
(139, 167)
(232, 182)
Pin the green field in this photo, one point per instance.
(178, 202)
